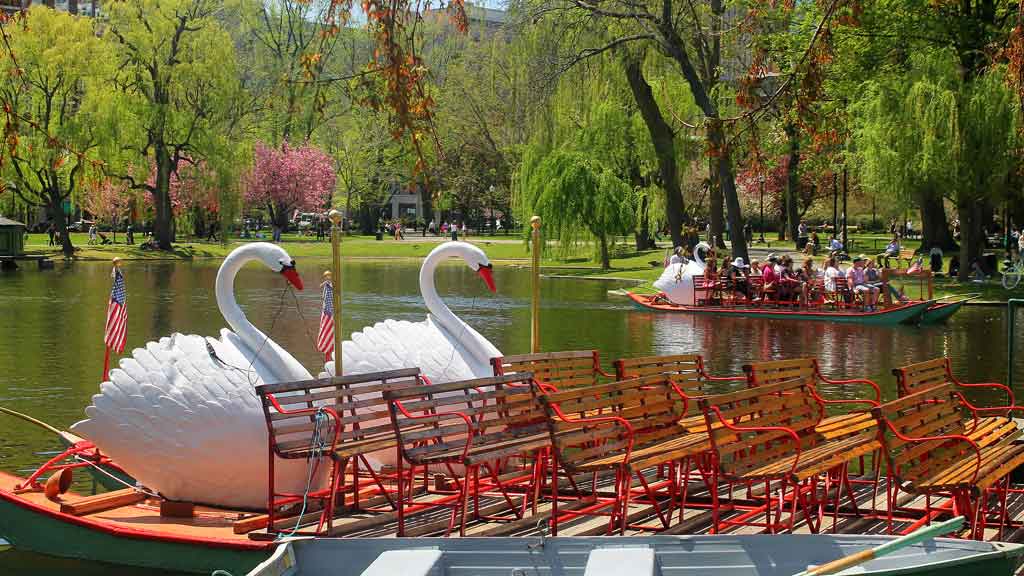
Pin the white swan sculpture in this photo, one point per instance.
(444, 347)
(181, 415)
(676, 281)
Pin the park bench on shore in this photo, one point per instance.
(474, 424)
(930, 449)
(768, 433)
(626, 426)
(339, 418)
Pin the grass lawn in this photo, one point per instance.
(644, 266)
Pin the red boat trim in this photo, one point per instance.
(127, 532)
(644, 300)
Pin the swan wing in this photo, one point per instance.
(188, 424)
(394, 344)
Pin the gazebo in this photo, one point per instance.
(12, 237)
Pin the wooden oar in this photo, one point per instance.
(66, 436)
(919, 535)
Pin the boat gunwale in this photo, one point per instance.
(908, 307)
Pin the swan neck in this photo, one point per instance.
(225, 290)
(442, 315)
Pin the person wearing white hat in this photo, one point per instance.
(736, 276)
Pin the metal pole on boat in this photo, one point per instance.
(1011, 332)
(335, 217)
(535, 288)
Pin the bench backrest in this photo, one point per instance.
(789, 403)
(441, 418)
(933, 411)
(921, 375)
(762, 373)
(686, 371)
(357, 400)
(563, 370)
(650, 404)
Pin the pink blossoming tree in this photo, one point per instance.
(107, 201)
(193, 195)
(288, 179)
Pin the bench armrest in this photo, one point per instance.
(865, 381)
(792, 435)
(618, 420)
(959, 437)
(1009, 393)
(438, 415)
(313, 410)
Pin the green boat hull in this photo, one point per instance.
(909, 313)
(29, 530)
(940, 313)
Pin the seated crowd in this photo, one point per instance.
(779, 280)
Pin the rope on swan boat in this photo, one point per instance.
(317, 448)
(266, 337)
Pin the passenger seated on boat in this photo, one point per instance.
(735, 273)
(859, 284)
(677, 256)
(789, 282)
(832, 272)
(874, 277)
(806, 274)
(770, 277)
(811, 249)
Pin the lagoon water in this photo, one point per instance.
(51, 336)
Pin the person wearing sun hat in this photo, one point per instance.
(857, 279)
(736, 275)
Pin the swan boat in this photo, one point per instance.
(749, 555)
(902, 313)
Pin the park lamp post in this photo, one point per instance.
(760, 181)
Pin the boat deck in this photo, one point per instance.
(140, 519)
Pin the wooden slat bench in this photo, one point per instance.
(936, 372)
(635, 428)
(560, 370)
(856, 420)
(768, 434)
(931, 449)
(472, 424)
(339, 418)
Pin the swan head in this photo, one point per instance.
(275, 258)
(472, 256)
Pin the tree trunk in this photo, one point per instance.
(727, 185)
(792, 179)
(934, 228)
(971, 234)
(605, 260)
(716, 214)
(782, 220)
(73, 6)
(60, 222)
(663, 141)
(643, 233)
(162, 231)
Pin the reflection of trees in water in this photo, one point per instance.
(974, 340)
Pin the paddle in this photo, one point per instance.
(919, 535)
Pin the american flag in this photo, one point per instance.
(114, 334)
(325, 341)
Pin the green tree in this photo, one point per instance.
(52, 144)
(172, 96)
(936, 132)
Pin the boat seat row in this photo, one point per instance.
(521, 435)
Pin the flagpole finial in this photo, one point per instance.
(335, 216)
(327, 274)
(117, 262)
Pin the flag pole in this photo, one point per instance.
(535, 286)
(106, 354)
(335, 217)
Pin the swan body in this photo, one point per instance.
(444, 347)
(676, 281)
(181, 414)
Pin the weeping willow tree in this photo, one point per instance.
(931, 135)
(590, 169)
